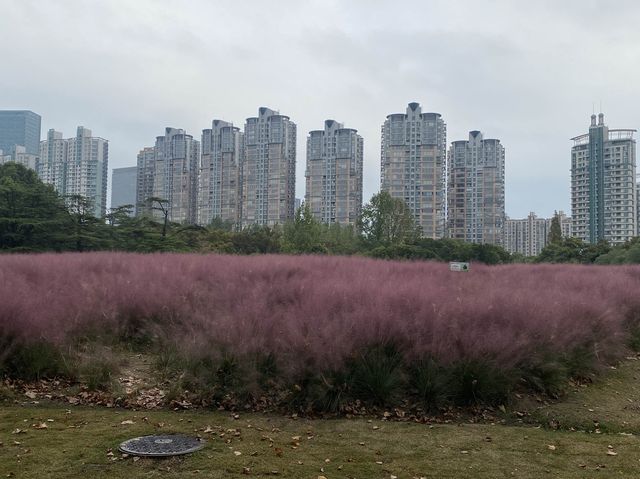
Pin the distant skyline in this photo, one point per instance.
(528, 73)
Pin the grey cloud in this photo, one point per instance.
(525, 72)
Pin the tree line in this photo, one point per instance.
(35, 218)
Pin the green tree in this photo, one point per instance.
(257, 239)
(387, 221)
(303, 234)
(88, 231)
(218, 223)
(33, 216)
(340, 239)
(572, 250)
(162, 205)
(555, 231)
(119, 215)
(626, 253)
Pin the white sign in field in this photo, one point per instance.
(458, 266)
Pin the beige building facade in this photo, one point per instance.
(475, 195)
(269, 169)
(413, 165)
(334, 174)
(220, 179)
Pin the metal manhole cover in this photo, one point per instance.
(161, 446)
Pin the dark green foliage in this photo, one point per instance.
(325, 392)
(386, 220)
(430, 382)
(33, 361)
(474, 382)
(331, 391)
(97, 371)
(627, 253)
(581, 362)
(215, 379)
(572, 250)
(32, 215)
(548, 376)
(267, 369)
(257, 240)
(634, 335)
(303, 234)
(555, 232)
(377, 374)
(87, 233)
(169, 361)
(34, 218)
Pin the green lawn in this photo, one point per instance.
(77, 441)
(612, 404)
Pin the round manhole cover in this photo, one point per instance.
(161, 446)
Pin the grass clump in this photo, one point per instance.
(377, 375)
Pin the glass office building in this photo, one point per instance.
(20, 127)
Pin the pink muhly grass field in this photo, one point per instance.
(316, 311)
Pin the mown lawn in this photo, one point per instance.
(597, 436)
(76, 444)
(611, 404)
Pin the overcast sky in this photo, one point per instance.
(526, 72)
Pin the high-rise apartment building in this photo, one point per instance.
(638, 204)
(475, 192)
(169, 171)
(20, 156)
(269, 169)
(53, 161)
(123, 187)
(76, 166)
(144, 180)
(413, 165)
(530, 235)
(603, 189)
(22, 128)
(334, 174)
(220, 181)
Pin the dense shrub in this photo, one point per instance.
(324, 330)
